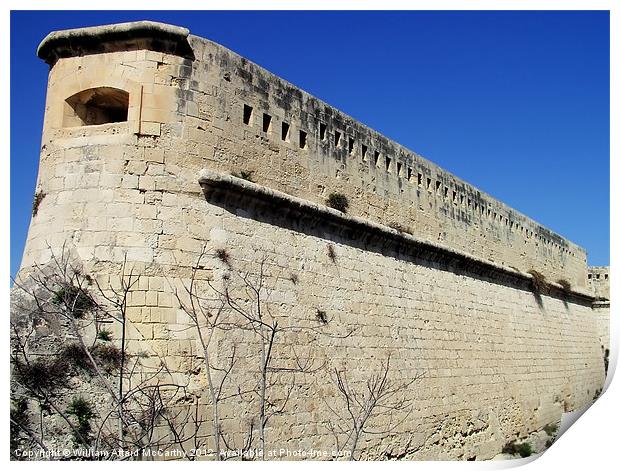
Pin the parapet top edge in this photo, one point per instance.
(207, 177)
(403, 149)
(110, 32)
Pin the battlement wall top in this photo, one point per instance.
(342, 137)
(218, 107)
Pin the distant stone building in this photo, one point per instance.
(598, 281)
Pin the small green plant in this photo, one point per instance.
(41, 373)
(108, 356)
(539, 283)
(522, 449)
(566, 286)
(550, 429)
(331, 253)
(597, 394)
(223, 256)
(74, 355)
(338, 201)
(75, 300)
(104, 335)
(38, 197)
(321, 316)
(83, 413)
(245, 175)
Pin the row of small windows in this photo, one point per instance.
(285, 129)
(597, 276)
(437, 186)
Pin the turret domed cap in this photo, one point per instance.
(135, 35)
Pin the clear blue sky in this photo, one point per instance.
(516, 103)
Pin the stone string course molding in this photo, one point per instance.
(210, 180)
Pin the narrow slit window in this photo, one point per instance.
(590, 276)
(388, 163)
(419, 179)
(303, 139)
(95, 106)
(285, 129)
(409, 173)
(322, 129)
(437, 186)
(428, 184)
(351, 145)
(468, 202)
(247, 114)
(266, 123)
(454, 196)
(399, 169)
(337, 139)
(377, 155)
(445, 192)
(364, 152)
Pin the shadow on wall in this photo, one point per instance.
(368, 238)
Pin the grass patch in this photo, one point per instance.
(83, 413)
(223, 256)
(40, 374)
(566, 286)
(522, 449)
(104, 335)
(550, 429)
(107, 356)
(338, 201)
(74, 355)
(244, 175)
(38, 197)
(539, 282)
(331, 253)
(75, 300)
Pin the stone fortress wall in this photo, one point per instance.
(143, 121)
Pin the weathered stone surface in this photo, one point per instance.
(423, 266)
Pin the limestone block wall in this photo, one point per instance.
(498, 361)
(251, 120)
(445, 295)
